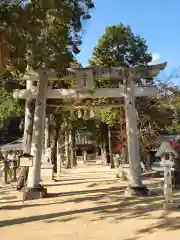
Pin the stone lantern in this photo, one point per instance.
(167, 152)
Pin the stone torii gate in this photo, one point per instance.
(129, 88)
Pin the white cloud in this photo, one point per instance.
(155, 58)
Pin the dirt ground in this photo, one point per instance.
(88, 203)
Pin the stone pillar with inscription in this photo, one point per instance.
(167, 164)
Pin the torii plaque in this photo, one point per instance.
(128, 92)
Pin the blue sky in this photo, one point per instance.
(158, 21)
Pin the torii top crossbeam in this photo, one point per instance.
(84, 82)
(144, 72)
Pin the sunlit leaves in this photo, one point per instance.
(51, 30)
(118, 46)
(174, 105)
(9, 107)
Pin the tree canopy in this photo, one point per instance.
(49, 32)
(38, 33)
(173, 104)
(9, 107)
(119, 46)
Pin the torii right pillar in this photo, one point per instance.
(136, 186)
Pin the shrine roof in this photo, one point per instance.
(16, 145)
(171, 146)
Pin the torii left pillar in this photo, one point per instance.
(34, 189)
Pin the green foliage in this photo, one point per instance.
(49, 31)
(40, 33)
(174, 105)
(118, 46)
(110, 116)
(9, 107)
(85, 125)
(174, 127)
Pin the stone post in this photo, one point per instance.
(84, 154)
(167, 164)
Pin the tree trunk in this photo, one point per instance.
(148, 160)
(97, 150)
(28, 123)
(53, 147)
(38, 130)
(47, 133)
(58, 158)
(71, 147)
(104, 136)
(101, 149)
(47, 151)
(60, 149)
(97, 143)
(110, 148)
(27, 139)
(55, 140)
(74, 145)
(67, 155)
(176, 173)
(124, 153)
(101, 138)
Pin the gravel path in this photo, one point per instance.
(88, 203)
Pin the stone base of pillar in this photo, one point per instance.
(105, 164)
(137, 191)
(123, 175)
(171, 205)
(35, 193)
(47, 171)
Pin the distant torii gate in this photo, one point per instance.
(128, 89)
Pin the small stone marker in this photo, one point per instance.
(169, 202)
(167, 164)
